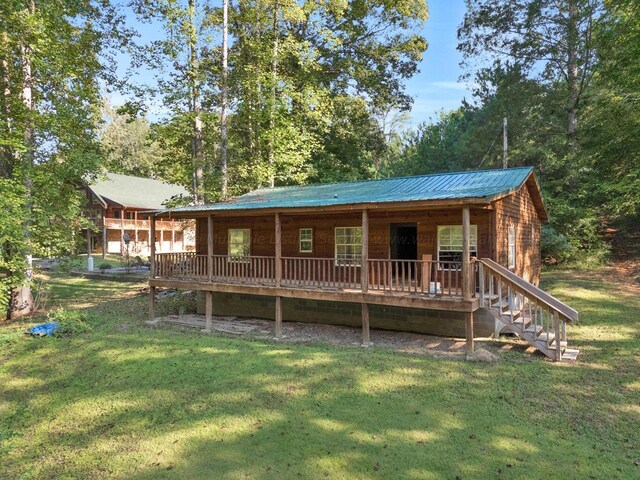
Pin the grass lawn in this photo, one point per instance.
(125, 401)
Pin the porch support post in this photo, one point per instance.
(135, 224)
(104, 237)
(278, 246)
(152, 303)
(161, 240)
(466, 253)
(278, 273)
(469, 332)
(365, 324)
(208, 310)
(152, 263)
(122, 232)
(364, 269)
(209, 247)
(152, 245)
(278, 317)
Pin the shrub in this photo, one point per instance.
(555, 246)
(72, 322)
(104, 266)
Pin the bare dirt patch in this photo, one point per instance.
(339, 336)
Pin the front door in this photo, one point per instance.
(404, 245)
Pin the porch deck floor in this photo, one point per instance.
(408, 290)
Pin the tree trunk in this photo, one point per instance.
(274, 86)
(197, 149)
(6, 156)
(21, 297)
(223, 102)
(572, 75)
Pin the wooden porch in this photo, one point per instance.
(422, 284)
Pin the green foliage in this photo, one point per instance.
(555, 246)
(104, 266)
(182, 302)
(12, 240)
(72, 322)
(128, 145)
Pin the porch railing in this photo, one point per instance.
(132, 224)
(421, 277)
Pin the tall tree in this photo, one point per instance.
(549, 39)
(51, 52)
(224, 98)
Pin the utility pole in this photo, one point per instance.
(223, 102)
(505, 145)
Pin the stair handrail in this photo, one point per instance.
(565, 312)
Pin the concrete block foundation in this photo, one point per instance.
(432, 322)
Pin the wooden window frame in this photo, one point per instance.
(473, 232)
(512, 249)
(300, 240)
(354, 261)
(231, 258)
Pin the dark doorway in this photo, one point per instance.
(404, 243)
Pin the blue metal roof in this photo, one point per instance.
(484, 184)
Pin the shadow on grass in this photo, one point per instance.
(146, 404)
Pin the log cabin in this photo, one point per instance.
(117, 204)
(455, 254)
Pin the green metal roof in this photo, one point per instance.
(135, 192)
(461, 185)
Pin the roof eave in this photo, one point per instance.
(532, 181)
(399, 205)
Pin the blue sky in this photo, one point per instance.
(434, 88)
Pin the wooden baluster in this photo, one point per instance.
(511, 302)
(558, 336)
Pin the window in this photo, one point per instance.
(239, 243)
(512, 247)
(450, 244)
(116, 214)
(348, 245)
(306, 240)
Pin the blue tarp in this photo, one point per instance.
(43, 329)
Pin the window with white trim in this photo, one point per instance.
(450, 245)
(239, 243)
(306, 240)
(511, 263)
(348, 245)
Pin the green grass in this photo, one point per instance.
(124, 401)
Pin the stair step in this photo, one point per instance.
(512, 313)
(570, 355)
(542, 344)
(536, 329)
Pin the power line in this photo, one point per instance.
(491, 147)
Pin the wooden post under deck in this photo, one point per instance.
(278, 272)
(208, 310)
(278, 317)
(152, 263)
(364, 269)
(364, 276)
(466, 273)
(365, 324)
(208, 298)
(466, 253)
(469, 331)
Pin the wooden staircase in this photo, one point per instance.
(526, 310)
